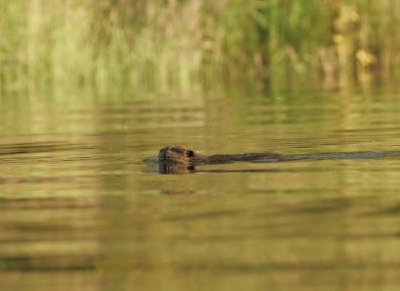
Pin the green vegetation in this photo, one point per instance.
(159, 45)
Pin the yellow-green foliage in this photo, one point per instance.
(158, 44)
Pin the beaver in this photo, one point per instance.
(178, 155)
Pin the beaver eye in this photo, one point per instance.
(189, 153)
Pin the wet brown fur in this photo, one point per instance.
(181, 155)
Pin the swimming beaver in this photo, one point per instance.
(177, 155)
(181, 155)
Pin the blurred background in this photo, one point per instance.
(159, 45)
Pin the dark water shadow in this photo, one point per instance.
(42, 234)
(54, 263)
(387, 211)
(39, 147)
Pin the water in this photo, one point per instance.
(79, 210)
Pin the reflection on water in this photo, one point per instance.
(79, 208)
(44, 234)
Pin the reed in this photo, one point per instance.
(176, 45)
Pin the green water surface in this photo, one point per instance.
(80, 210)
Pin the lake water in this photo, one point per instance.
(80, 210)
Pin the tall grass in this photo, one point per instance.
(163, 45)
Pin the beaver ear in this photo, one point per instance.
(189, 153)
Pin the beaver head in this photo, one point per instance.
(178, 155)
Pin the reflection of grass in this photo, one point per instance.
(171, 44)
